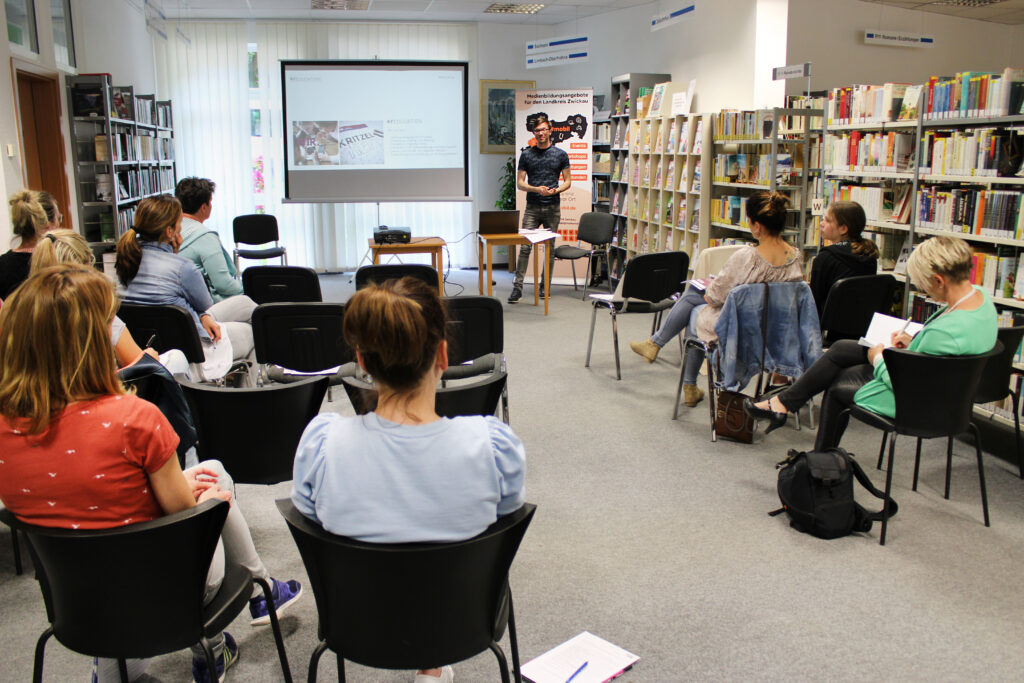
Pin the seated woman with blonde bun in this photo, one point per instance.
(67, 246)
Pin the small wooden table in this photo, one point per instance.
(418, 245)
(514, 238)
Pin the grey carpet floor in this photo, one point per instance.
(649, 535)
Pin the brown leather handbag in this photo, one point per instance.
(731, 420)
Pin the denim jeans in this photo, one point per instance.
(535, 216)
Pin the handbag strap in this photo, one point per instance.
(764, 338)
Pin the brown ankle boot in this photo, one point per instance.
(692, 394)
(646, 348)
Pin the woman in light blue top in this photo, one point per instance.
(402, 473)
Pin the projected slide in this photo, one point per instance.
(375, 131)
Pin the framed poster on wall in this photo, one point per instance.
(498, 114)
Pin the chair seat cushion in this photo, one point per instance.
(569, 252)
(273, 252)
(873, 419)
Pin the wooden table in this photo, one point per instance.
(514, 238)
(418, 245)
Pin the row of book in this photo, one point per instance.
(984, 212)
(602, 133)
(621, 170)
(730, 209)
(973, 94)
(731, 124)
(888, 204)
(600, 189)
(128, 147)
(677, 140)
(975, 152)
(869, 152)
(871, 104)
(754, 169)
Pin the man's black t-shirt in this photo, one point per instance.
(543, 168)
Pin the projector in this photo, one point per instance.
(386, 235)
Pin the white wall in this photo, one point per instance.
(830, 34)
(128, 58)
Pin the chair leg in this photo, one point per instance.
(513, 640)
(1016, 431)
(122, 669)
(211, 663)
(917, 464)
(504, 404)
(949, 464)
(341, 668)
(314, 661)
(981, 472)
(881, 450)
(37, 666)
(679, 389)
(572, 263)
(608, 270)
(275, 626)
(590, 340)
(502, 662)
(586, 277)
(712, 397)
(615, 341)
(17, 552)
(888, 491)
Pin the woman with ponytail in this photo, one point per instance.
(151, 272)
(401, 473)
(847, 256)
(771, 260)
(29, 221)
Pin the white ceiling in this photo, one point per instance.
(554, 11)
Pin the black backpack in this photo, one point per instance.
(816, 490)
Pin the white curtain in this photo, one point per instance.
(207, 81)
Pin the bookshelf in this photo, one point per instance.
(122, 150)
(601, 164)
(625, 90)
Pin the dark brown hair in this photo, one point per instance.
(851, 215)
(152, 217)
(768, 209)
(396, 327)
(194, 192)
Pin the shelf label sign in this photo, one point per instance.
(897, 38)
(557, 51)
(782, 73)
(666, 19)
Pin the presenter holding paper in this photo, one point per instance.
(544, 176)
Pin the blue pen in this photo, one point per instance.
(577, 672)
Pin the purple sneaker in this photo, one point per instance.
(227, 659)
(284, 593)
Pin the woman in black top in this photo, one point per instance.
(849, 254)
(32, 214)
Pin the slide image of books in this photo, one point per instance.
(315, 143)
(360, 143)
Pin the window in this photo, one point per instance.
(21, 23)
(63, 38)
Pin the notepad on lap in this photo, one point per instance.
(881, 329)
(604, 661)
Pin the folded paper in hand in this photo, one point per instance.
(881, 329)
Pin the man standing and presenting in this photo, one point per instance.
(541, 167)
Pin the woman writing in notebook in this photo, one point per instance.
(850, 373)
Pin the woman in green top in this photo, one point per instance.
(850, 373)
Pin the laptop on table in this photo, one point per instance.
(499, 222)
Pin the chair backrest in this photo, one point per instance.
(254, 432)
(154, 383)
(170, 327)
(711, 259)
(479, 397)
(305, 337)
(934, 394)
(654, 277)
(995, 378)
(396, 606)
(270, 284)
(255, 228)
(381, 273)
(132, 591)
(476, 327)
(851, 303)
(596, 228)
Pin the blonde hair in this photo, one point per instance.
(28, 218)
(949, 257)
(60, 246)
(152, 217)
(55, 344)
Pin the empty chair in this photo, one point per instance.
(851, 303)
(379, 273)
(647, 284)
(476, 338)
(304, 338)
(995, 381)
(270, 284)
(254, 432)
(256, 229)
(597, 229)
(934, 397)
(157, 574)
(399, 606)
(478, 397)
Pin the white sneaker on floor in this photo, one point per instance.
(447, 676)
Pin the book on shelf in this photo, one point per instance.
(121, 103)
(100, 149)
(670, 175)
(673, 136)
(911, 101)
(659, 145)
(104, 187)
(657, 98)
(698, 138)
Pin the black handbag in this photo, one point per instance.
(731, 420)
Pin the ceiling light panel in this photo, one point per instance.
(513, 8)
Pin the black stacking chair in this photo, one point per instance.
(995, 381)
(851, 303)
(256, 229)
(934, 398)
(169, 327)
(647, 284)
(275, 415)
(270, 284)
(15, 546)
(375, 611)
(156, 572)
(380, 273)
(597, 229)
(479, 397)
(476, 339)
(154, 383)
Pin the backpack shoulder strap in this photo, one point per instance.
(862, 477)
